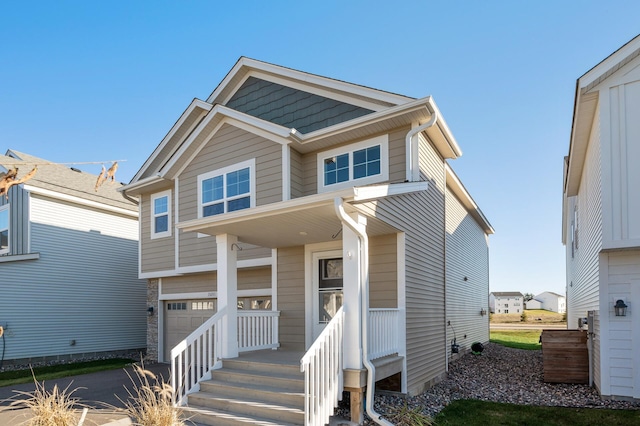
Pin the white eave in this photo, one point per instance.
(456, 186)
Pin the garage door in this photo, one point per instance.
(181, 318)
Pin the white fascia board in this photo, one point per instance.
(196, 103)
(139, 186)
(609, 62)
(78, 200)
(461, 192)
(255, 125)
(311, 79)
(372, 192)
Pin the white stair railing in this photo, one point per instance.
(257, 330)
(193, 358)
(323, 377)
(384, 332)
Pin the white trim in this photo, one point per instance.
(176, 232)
(160, 325)
(286, 172)
(19, 257)
(152, 231)
(78, 200)
(211, 267)
(7, 208)
(382, 141)
(402, 302)
(274, 279)
(366, 193)
(250, 164)
(214, 294)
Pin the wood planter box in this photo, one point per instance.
(565, 357)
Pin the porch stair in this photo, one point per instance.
(249, 392)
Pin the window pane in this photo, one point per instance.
(359, 157)
(330, 177)
(213, 209)
(373, 153)
(343, 175)
(359, 171)
(238, 182)
(4, 240)
(239, 204)
(212, 189)
(162, 223)
(343, 161)
(373, 168)
(366, 162)
(160, 205)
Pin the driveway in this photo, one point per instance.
(96, 390)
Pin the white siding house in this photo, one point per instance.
(601, 218)
(550, 301)
(69, 266)
(506, 302)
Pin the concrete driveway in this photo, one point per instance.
(96, 390)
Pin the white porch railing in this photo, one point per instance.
(384, 332)
(257, 330)
(193, 359)
(322, 368)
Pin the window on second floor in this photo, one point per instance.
(226, 190)
(361, 163)
(4, 229)
(161, 214)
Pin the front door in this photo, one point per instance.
(327, 288)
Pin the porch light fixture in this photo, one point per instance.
(150, 310)
(620, 308)
(483, 312)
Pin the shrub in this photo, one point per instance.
(405, 416)
(523, 317)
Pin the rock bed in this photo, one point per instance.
(8, 366)
(499, 374)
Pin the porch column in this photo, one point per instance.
(352, 291)
(228, 292)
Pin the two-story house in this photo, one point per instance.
(601, 219)
(549, 301)
(69, 286)
(506, 302)
(320, 218)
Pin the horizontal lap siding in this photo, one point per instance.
(297, 173)
(291, 298)
(228, 146)
(467, 255)
(157, 254)
(248, 279)
(383, 275)
(84, 287)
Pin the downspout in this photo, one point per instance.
(364, 309)
(410, 145)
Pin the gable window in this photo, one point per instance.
(4, 229)
(361, 163)
(161, 214)
(227, 190)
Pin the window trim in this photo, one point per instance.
(154, 197)
(383, 176)
(251, 164)
(7, 208)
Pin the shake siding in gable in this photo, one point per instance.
(421, 216)
(291, 298)
(157, 254)
(583, 268)
(18, 220)
(88, 259)
(467, 255)
(229, 146)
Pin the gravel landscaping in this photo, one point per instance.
(499, 374)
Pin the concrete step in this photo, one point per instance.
(248, 406)
(265, 393)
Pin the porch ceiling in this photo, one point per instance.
(284, 224)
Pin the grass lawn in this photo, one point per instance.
(519, 339)
(17, 377)
(531, 316)
(481, 413)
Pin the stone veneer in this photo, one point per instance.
(152, 320)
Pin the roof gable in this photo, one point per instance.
(291, 108)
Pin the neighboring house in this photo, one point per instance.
(601, 218)
(318, 211)
(533, 304)
(68, 261)
(549, 301)
(506, 302)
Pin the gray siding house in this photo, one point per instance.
(319, 220)
(68, 261)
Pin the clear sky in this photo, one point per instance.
(105, 80)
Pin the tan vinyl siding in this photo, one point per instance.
(310, 167)
(383, 275)
(157, 254)
(228, 147)
(583, 267)
(291, 298)
(421, 217)
(248, 279)
(297, 173)
(467, 256)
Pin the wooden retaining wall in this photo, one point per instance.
(565, 357)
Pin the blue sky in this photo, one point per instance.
(88, 81)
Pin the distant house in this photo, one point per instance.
(601, 219)
(506, 302)
(533, 304)
(68, 262)
(549, 301)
